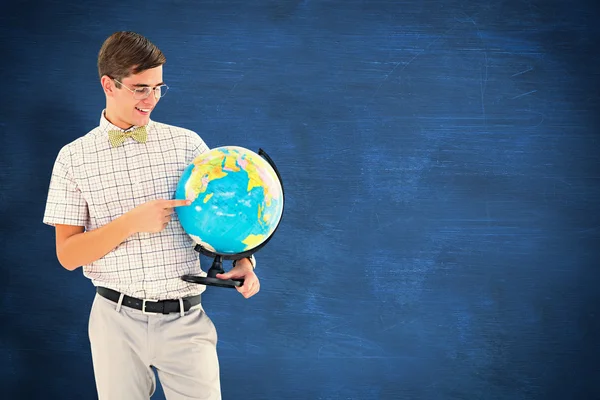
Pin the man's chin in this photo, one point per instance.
(142, 119)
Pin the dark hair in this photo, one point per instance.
(124, 53)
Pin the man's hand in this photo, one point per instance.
(153, 216)
(243, 270)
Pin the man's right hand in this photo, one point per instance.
(153, 216)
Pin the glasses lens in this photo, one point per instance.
(161, 91)
(141, 93)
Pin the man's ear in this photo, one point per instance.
(108, 85)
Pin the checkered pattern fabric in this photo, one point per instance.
(93, 183)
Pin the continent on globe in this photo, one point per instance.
(241, 203)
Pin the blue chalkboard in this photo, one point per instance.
(441, 232)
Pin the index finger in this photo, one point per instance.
(177, 203)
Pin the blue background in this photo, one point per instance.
(441, 162)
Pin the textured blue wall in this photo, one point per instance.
(441, 160)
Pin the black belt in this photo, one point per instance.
(149, 306)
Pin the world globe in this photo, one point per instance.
(237, 200)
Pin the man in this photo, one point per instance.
(110, 200)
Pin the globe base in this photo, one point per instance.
(211, 278)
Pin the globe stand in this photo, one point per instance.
(211, 276)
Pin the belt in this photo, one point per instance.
(149, 306)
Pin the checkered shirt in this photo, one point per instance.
(93, 183)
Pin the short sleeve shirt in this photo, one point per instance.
(93, 183)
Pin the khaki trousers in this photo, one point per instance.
(125, 343)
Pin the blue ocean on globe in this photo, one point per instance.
(237, 200)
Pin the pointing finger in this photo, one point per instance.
(176, 203)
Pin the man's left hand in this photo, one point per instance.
(243, 270)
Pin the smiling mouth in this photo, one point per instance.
(144, 110)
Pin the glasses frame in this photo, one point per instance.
(138, 93)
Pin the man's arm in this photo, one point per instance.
(74, 247)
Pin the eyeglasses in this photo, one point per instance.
(143, 92)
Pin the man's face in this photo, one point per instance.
(123, 109)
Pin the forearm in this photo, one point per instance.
(87, 247)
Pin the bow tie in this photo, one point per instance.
(117, 137)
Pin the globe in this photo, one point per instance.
(237, 200)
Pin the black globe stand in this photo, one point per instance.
(217, 266)
(211, 275)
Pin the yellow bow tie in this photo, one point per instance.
(117, 137)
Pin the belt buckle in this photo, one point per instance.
(144, 301)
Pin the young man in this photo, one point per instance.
(110, 200)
